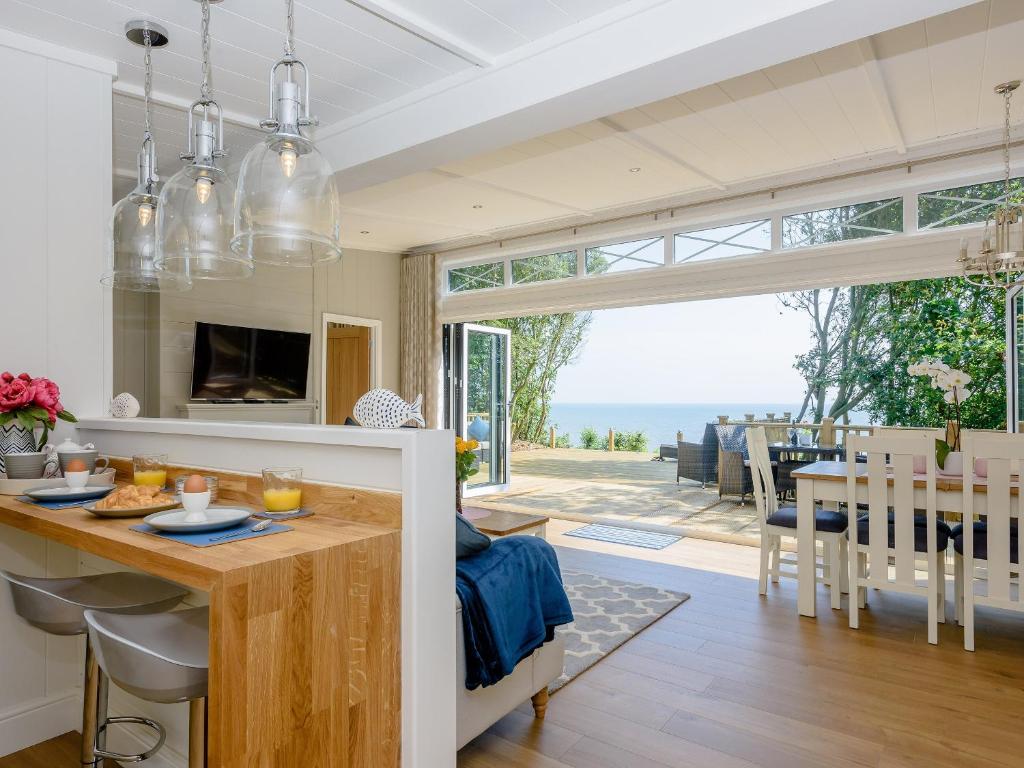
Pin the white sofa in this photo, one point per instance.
(478, 710)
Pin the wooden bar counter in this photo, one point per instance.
(304, 625)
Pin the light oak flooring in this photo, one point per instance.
(733, 680)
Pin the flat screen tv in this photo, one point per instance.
(230, 362)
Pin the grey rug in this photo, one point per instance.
(616, 535)
(608, 613)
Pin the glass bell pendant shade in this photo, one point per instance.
(287, 210)
(131, 259)
(194, 227)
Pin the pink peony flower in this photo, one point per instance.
(6, 377)
(16, 394)
(47, 395)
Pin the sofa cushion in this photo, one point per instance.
(468, 538)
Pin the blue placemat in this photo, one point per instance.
(205, 539)
(54, 504)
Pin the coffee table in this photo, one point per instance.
(497, 523)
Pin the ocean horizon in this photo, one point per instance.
(659, 421)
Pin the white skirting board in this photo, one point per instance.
(39, 720)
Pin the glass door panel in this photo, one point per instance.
(485, 364)
(1014, 359)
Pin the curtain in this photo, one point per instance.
(420, 346)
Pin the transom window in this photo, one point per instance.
(962, 205)
(722, 242)
(550, 266)
(475, 277)
(847, 222)
(624, 257)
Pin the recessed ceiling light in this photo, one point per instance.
(635, 170)
(478, 206)
(364, 232)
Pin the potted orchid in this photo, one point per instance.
(953, 384)
(25, 404)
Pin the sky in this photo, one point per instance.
(738, 350)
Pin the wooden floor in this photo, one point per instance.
(733, 680)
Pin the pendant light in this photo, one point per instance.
(999, 263)
(287, 210)
(132, 241)
(193, 218)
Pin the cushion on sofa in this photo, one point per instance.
(468, 538)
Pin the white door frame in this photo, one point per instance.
(483, 490)
(376, 353)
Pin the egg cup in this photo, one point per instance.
(77, 480)
(195, 505)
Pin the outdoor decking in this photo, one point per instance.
(620, 488)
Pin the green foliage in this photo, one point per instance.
(589, 439)
(563, 441)
(631, 441)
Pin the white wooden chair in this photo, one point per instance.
(776, 522)
(995, 545)
(901, 536)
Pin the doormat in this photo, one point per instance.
(616, 535)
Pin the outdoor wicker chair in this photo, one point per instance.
(734, 478)
(699, 461)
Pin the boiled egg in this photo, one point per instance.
(194, 484)
(76, 465)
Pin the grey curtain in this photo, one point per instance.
(421, 335)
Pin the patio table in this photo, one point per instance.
(826, 481)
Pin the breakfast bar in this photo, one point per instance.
(315, 656)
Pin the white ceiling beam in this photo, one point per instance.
(651, 148)
(177, 102)
(647, 52)
(427, 30)
(873, 70)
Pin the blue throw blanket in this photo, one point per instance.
(512, 600)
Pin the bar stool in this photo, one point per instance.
(57, 606)
(160, 657)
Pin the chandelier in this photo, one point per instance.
(999, 263)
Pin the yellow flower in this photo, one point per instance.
(473, 445)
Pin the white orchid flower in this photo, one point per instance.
(958, 378)
(948, 397)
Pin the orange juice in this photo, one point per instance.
(282, 499)
(150, 477)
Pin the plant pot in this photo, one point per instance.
(14, 438)
(954, 466)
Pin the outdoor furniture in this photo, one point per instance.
(667, 451)
(785, 455)
(733, 471)
(699, 461)
(776, 523)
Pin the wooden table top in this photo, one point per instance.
(197, 567)
(497, 522)
(835, 471)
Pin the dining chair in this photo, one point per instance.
(992, 554)
(891, 530)
(777, 522)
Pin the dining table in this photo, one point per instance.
(827, 482)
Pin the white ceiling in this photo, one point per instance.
(903, 93)
(897, 94)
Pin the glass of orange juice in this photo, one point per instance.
(150, 469)
(282, 489)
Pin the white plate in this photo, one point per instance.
(18, 487)
(64, 493)
(217, 518)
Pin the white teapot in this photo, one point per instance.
(70, 446)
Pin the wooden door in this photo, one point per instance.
(348, 370)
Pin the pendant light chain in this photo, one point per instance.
(289, 43)
(147, 90)
(206, 89)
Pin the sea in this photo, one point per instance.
(660, 421)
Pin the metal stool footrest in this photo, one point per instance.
(153, 724)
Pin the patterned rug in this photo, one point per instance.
(608, 613)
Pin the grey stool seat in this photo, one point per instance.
(161, 657)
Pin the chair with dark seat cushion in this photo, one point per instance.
(776, 523)
(824, 519)
(956, 533)
(942, 533)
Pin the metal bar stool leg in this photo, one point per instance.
(90, 705)
(197, 733)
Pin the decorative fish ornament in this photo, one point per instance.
(124, 406)
(383, 409)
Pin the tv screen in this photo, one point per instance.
(230, 362)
